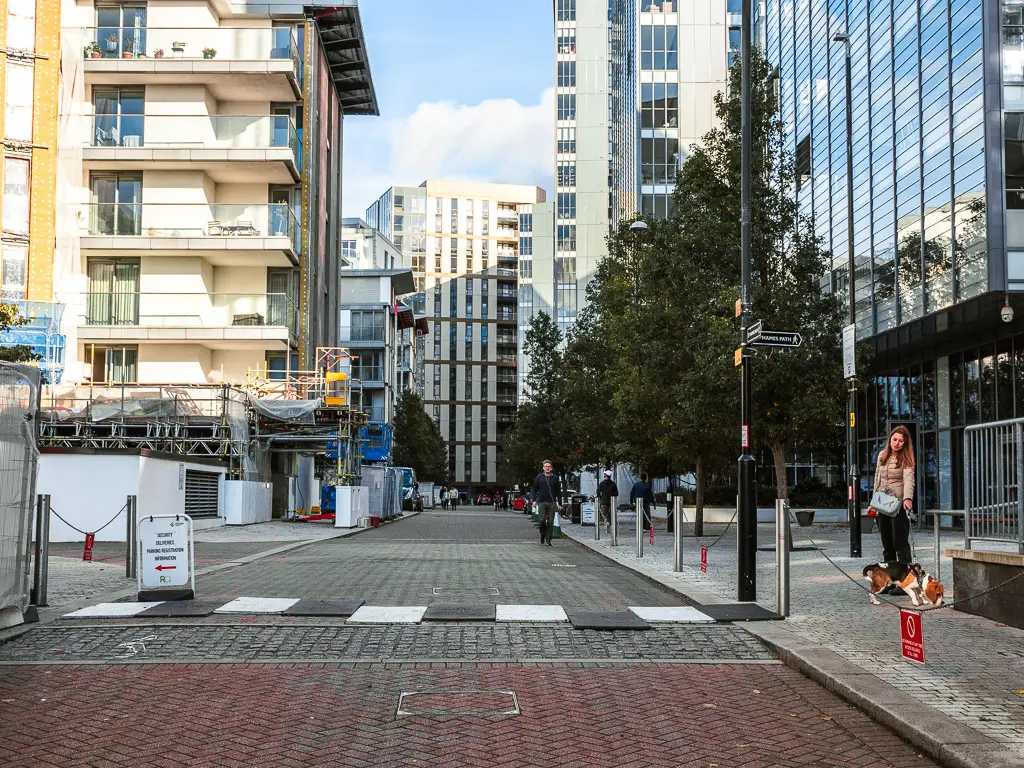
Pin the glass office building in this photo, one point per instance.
(937, 108)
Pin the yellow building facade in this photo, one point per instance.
(29, 78)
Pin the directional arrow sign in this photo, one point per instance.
(166, 567)
(754, 332)
(787, 339)
(165, 548)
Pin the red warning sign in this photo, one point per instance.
(912, 635)
(703, 559)
(90, 539)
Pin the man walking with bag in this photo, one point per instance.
(547, 490)
(606, 491)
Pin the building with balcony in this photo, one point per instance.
(935, 183)
(200, 234)
(463, 241)
(29, 66)
(378, 327)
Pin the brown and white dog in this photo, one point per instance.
(910, 577)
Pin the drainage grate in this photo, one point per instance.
(478, 703)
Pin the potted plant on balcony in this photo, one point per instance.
(128, 50)
(111, 41)
(209, 53)
(92, 50)
(158, 53)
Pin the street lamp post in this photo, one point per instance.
(853, 494)
(746, 548)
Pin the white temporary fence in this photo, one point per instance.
(19, 402)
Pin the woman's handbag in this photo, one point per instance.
(885, 504)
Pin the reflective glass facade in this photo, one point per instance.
(936, 104)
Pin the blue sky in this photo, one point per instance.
(464, 90)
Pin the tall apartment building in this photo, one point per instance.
(463, 242)
(635, 83)
(937, 108)
(378, 327)
(29, 65)
(200, 185)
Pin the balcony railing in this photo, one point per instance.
(507, 359)
(190, 220)
(234, 43)
(195, 131)
(507, 316)
(506, 294)
(506, 232)
(210, 310)
(506, 378)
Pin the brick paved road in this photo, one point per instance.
(237, 691)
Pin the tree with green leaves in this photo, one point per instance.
(798, 394)
(10, 317)
(417, 440)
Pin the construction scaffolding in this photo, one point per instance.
(305, 412)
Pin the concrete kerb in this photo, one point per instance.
(47, 615)
(940, 736)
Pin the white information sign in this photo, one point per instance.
(165, 548)
(849, 351)
(587, 513)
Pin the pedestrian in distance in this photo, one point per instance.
(444, 497)
(894, 475)
(607, 491)
(642, 490)
(497, 500)
(547, 490)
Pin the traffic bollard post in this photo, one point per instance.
(639, 527)
(677, 511)
(614, 512)
(938, 557)
(782, 556)
(41, 569)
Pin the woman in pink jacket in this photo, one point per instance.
(894, 474)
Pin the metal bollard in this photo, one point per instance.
(639, 528)
(614, 512)
(41, 552)
(131, 538)
(938, 550)
(782, 556)
(597, 518)
(677, 511)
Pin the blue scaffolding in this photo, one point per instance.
(41, 334)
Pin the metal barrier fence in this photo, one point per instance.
(19, 403)
(993, 472)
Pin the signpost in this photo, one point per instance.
(849, 346)
(912, 635)
(166, 557)
(784, 339)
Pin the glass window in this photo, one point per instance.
(566, 205)
(566, 174)
(566, 74)
(21, 25)
(566, 40)
(565, 10)
(566, 140)
(19, 95)
(118, 117)
(567, 106)
(121, 30)
(565, 237)
(16, 194)
(13, 270)
(659, 47)
(367, 326)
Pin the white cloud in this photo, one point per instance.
(497, 140)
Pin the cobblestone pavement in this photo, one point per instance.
(471, 555)
(578, 715)
(974, 668)
(71, 579)
(239, 691)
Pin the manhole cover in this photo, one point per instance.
(479, 703)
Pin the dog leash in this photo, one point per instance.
(914, 608)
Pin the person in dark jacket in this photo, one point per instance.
(606, 492)
(547, 490)
(642, 490)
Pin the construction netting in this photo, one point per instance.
(19, 391)
(294, 411)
